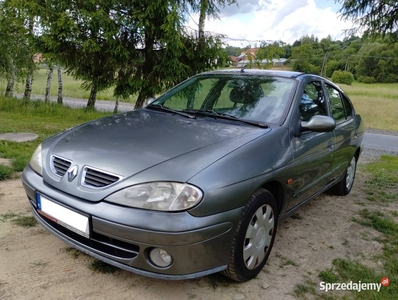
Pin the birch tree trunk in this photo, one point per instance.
(48, 85)
(60, 99)
(11, 81)
(30, 67)
(28, 84)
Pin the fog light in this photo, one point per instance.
(160, 257)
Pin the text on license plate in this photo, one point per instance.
(63, 216)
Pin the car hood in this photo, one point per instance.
(130, 143)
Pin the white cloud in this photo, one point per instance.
(276, 20)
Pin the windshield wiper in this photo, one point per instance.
(216, 114)
(174, 111)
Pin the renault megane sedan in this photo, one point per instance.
(197, 181)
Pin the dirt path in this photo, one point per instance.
(36, 265)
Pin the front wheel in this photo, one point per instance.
(254, 237)
(344, 186)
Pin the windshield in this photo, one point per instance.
(247, 97)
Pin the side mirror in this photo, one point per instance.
(319, 124)
(149, 101)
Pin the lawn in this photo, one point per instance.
(377, 104)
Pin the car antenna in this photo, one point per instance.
(243, 69)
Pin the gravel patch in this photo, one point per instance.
(18, 137)
(369, 155)
(388, 132)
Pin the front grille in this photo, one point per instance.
(59, 165)
(95, 178)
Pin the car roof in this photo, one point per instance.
(280, 73)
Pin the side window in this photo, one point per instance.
(312, 101)
(341, 108)
(348, 107)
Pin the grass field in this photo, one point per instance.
(376, 103)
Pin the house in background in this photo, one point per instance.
(249, 56)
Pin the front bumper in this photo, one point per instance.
(123, 237)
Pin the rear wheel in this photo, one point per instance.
(254, 237)
(344, 186)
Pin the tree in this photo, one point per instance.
(60, 98)
(83, 36)
(233, 51)
(378, 61)
(268, 52)
(373, 16)
(48, 85)
(167, 53)
(140, 46)
(307, 57)
(16, 42)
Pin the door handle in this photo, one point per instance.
(330, 145)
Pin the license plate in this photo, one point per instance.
(63, 216)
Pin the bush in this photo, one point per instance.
(366, 79)
(305, 67)
(5, 172)
(343, 77)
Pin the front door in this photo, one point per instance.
(312, 151)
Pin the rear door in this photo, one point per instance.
(345, 131)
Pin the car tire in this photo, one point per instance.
(254, 237)
(344, 186)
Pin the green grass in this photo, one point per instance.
(25, 221)
(36, 117)
(73, 252)
(19, 219)
(5, 172)
(377, 104)
(383, 185)
(301, 289)
(71, 87)
(7, 216)
(102, 267)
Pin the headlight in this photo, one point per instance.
(166, 196)
(36, 161)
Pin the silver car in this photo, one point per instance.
(197, 181)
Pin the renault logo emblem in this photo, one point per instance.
(72, 173)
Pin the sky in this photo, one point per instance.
(276, 20)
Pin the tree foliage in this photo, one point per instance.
(140, 47)
(268, 52)
(375, 17)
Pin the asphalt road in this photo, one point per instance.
(372, 141)
(382, 142)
